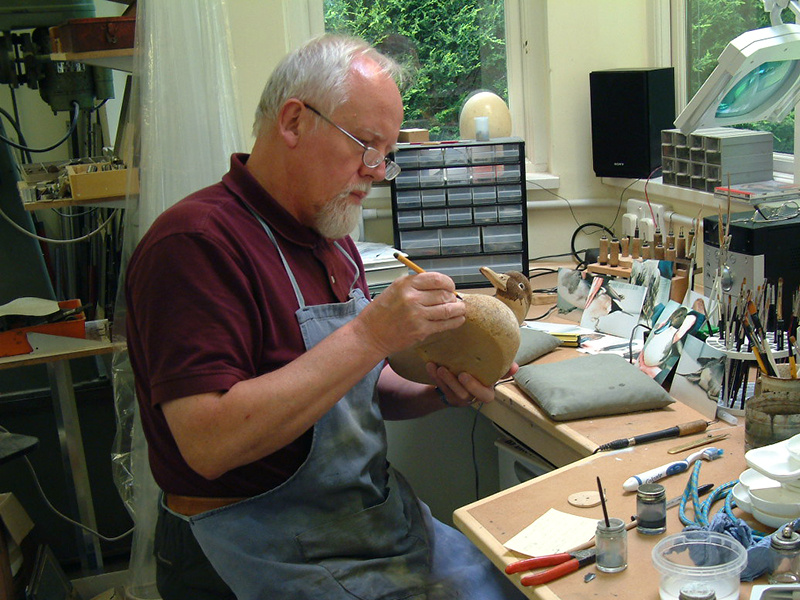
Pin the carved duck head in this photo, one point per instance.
(513, 289)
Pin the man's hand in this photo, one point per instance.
(409, 310)
(463, 389)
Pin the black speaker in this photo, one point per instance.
(630, 107)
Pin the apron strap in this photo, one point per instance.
(298, 294)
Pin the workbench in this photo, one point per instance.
(569, 445)
(55, 352)
(492, 521)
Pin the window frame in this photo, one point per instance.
(526, 63)
(784, 164)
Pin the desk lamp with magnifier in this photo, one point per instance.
(757, 78)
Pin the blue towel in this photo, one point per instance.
(759, 560)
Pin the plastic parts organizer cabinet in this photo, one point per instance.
(458, 206)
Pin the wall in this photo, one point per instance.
(259, 42)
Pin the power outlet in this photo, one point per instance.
(641, 210)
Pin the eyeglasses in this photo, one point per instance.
(787, 210)
(767, 214)
(371, 157)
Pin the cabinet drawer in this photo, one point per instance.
(502, 238)
(461, 240)
(420, 243)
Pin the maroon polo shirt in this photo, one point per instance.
(210, 303)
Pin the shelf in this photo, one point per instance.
(120, 59)
(115, 202)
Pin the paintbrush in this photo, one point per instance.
(762, 337)
(755, 348)
(603, 502)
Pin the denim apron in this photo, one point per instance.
(346, 525)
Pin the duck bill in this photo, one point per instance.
(499, 281)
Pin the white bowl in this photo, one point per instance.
(793, 485)
(779, 502)
(742, 496)
(750, 478)
(773, 521)
(793, 446)
(774, 461)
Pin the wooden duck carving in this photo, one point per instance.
(485, 345)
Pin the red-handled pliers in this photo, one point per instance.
(566, 563)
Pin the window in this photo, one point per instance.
(527, 71)
(710, 25)
(451, 48)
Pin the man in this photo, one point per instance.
(260, 363)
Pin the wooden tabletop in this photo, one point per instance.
(494, 520)
(564, 442)
(49, 348)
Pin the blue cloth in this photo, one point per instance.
(758, 553)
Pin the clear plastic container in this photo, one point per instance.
(703, 556)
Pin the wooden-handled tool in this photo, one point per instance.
(671, 432)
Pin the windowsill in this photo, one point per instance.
(547, 181)
(672, 192)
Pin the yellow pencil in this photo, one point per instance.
(414, 266)
(408, 262)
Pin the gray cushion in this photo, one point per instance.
(534, 344)
(590, 386)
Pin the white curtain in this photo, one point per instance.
(184, 127)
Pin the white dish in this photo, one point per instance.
(774, 461)
(793, 446)
(773, 521)
(750, 478)
(742, 496)
(779, 502)
(793, 485)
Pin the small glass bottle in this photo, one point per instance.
(612, 546)
(785, 550)
(651, 509)
(697, 590)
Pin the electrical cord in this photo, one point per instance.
(74, 122)
(552, 193)
(474, 453)
(63, 516)
(15, 125)
(82, 238)
(571, 253)
(621, 195)
(630, 339)
(545, 315)
(578, 231)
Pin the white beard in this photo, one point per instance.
(339, 216)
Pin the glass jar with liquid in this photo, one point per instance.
(651, 509)
(612, 546)
(785, 550)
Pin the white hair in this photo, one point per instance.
(317, 73)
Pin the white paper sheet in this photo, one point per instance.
(553, 532)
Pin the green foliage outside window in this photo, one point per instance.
(449, 47)
(714, 23)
